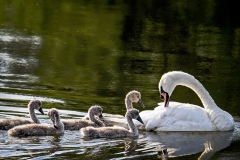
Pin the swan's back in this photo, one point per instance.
(176, 117)
(108, 132)
(6, 124)
(76, 124)
(32, 130)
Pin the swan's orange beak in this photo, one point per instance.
(165, 97)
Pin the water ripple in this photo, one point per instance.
(148, 144)
(8, 96)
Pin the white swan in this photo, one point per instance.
(6, 124)
(174, 116)
(113, 132)
(40, 129)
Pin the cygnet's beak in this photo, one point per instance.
(55, 126)
(100, 116)
(141, 103)
(140, 120)
(41, 110)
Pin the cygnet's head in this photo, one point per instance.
(55, 117)
(134, 114)
(36, 104)
(96, 110)
(53, 114)
(134, 96)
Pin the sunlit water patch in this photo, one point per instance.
(10, 58)
(9, 96)
(18, 78)
(16, 68)
(16, 112)
(10, 36)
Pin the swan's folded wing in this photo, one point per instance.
(176, 117)
(172, 104)
(152, 118)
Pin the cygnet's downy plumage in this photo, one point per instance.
(40, 129)
(114, 132)
(6, 124)
(76, 124)
(119, 120)
(116, 119)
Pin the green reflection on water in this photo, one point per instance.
(94, 52)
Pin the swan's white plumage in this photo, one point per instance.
(186, 117)
(177, 117)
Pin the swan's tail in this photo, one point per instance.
(222, 120)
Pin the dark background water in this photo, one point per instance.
(74, 54)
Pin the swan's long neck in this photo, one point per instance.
(33, 115)
(58, 123)
(133, 129)
(94, 120)
(128, 104)
(189, 81)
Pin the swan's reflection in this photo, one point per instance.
(186, 143)
(165, 144)
(130, 146)
(163, 154)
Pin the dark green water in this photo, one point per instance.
(74, 54)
